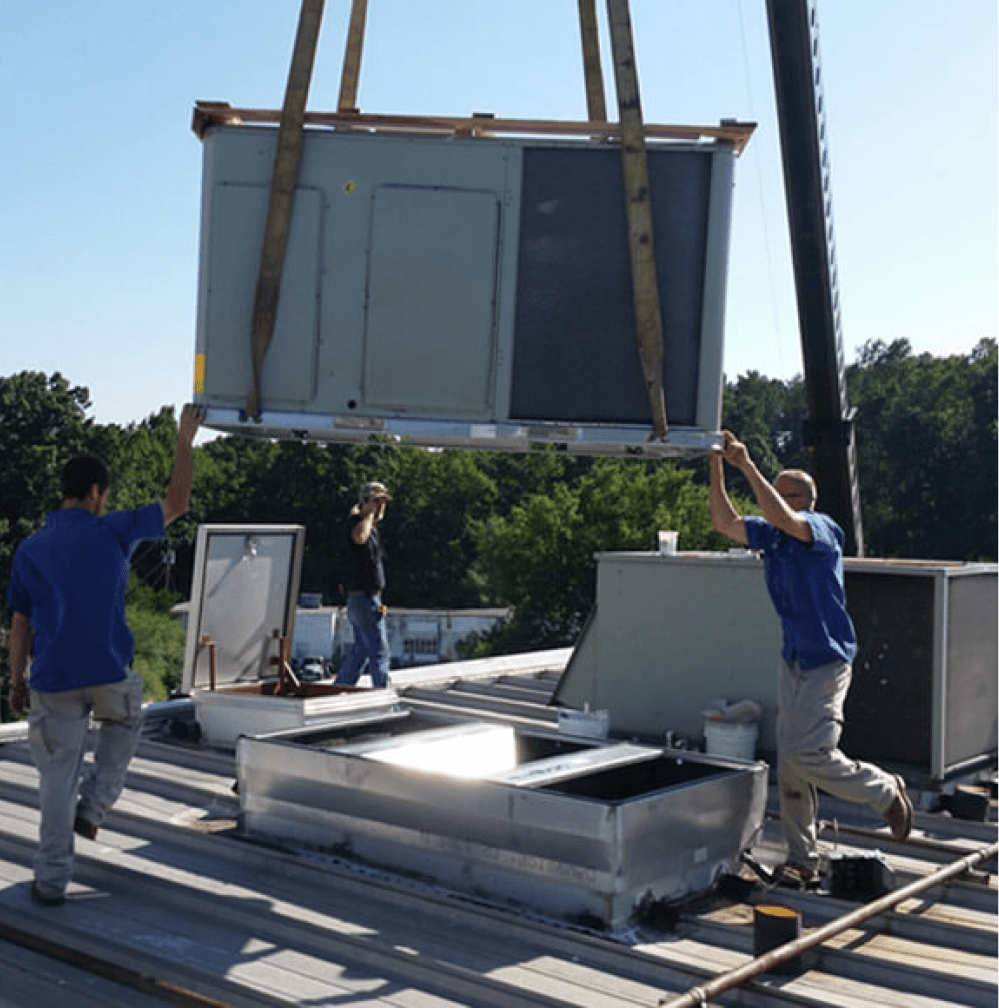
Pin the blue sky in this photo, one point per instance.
(101, 172)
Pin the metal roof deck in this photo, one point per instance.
(170, 903)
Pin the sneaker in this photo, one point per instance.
(900, 812)
(793, 876)
(85, 828)
(46, 899)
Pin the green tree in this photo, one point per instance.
(429, 533)
(159, 638)
(926, 443)
(517, 475)
(43, 422)
(767, 415)
(541, 557)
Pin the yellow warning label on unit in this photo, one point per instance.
(199, 372)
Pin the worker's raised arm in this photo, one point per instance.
(724, 518)
(178, 495)
(371, 511)
(774, 507)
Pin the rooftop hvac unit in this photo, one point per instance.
(700, 626)
(463, 291)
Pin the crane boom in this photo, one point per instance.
(829, 430)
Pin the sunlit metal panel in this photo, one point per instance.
(574, 829)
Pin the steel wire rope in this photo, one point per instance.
(760, 189)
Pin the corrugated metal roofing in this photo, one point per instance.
(171, 903)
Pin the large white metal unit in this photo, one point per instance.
(670, 634)
(471, 292)
(564, 826)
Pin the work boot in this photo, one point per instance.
(46, 897)
(85, 828)
(795, 876)
(900, 812)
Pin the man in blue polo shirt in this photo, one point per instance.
(803, 563)
(67, 595)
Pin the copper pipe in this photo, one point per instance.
(698, 997)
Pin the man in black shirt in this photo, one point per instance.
(365, 583)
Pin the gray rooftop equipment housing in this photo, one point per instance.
(697, 626)
(467, 292)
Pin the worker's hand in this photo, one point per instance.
(191, 418)
(734, 451)
(375, 505)
(19, 697)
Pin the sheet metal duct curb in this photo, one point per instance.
(590, 835)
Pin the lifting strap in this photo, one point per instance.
(644, 278)
(282, 196)
(645, 282)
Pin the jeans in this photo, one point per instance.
(58, 726)
(370, 645)
(809, 724)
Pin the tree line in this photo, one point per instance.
(471, 528)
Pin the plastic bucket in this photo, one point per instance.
(731, 738)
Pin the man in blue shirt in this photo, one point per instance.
(803, 563)
(67, 595)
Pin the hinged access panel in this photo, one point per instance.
(243, 591)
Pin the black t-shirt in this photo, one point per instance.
(365, 570)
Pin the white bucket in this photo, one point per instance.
(731, 738)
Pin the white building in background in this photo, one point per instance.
(416, 636)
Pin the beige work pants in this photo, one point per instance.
(809, 725)
(58, 725)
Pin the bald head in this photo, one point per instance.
(797, 488)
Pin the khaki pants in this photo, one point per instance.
(58, 725)
(809, 724)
